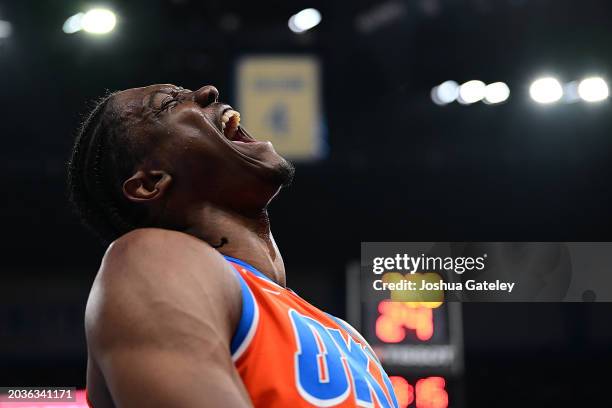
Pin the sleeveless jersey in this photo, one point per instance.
(291, 354)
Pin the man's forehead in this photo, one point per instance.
(135, 98)
(142, 92)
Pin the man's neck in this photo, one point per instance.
(246, 238)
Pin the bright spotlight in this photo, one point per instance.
(99, 21)
(6, 28)
(497, 92)
(445, 93)
(304, 20)
(593, 89)
(471, 92)
(95, 21)
(73, 24)
(546, 90)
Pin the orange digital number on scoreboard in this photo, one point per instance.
(397, 317)
(428, 393)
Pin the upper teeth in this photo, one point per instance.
(230, 118)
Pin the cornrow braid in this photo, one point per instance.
(102, 157)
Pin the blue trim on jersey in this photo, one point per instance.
(340, 322)
(247, 316)
(249, 267)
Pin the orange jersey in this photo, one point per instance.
(291, 354)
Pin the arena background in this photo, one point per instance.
(397, 167)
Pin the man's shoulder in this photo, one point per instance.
(152, 263)
(156, 292)
(161, 251)
(170, 242)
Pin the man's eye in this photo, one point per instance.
(168, 102)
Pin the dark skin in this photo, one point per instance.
(165, 303)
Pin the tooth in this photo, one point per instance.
(230, 120)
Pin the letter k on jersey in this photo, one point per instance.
(329, 368)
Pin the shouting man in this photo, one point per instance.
(189, 307)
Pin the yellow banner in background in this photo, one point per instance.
(279, 98)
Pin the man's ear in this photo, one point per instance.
(146, 185)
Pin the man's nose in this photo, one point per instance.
(206, 95)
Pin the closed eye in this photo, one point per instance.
(168, 102)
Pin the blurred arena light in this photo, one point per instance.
(99, 21)
(570, 92)
(73, 24)
(445, 93)
(471, 92)
(6, 28)
(497, 92)
(381, 15)
(304, 20)
(546, 90)
(94, 21)
(593, 89)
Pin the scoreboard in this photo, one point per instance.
(419, 343)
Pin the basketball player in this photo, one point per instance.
(189, 307)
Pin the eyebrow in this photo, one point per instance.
(150, 97)
(165, 91)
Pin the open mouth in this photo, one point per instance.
(230, 126)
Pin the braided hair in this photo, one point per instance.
(104, 156)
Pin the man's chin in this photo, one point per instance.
(285, 171)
